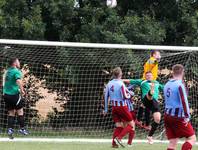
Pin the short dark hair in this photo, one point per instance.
(177, 69)
(154, 52)
(116, 72)
(12, 60)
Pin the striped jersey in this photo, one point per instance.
(176, 102)
(115, 91)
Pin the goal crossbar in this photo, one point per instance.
(98, 45)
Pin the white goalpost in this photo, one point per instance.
(65, 83)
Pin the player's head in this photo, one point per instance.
(117, 73)
(178, 70)
(14, 62)
(149, 75)
(156, 54)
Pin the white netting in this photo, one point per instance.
(65, 85)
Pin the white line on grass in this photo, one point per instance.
(57, 140)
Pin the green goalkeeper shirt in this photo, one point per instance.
(145, 87)
(12, 75)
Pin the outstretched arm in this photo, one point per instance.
(127, 81)
(133, 81)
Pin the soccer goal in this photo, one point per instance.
(65, 83)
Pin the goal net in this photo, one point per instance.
(65, 84)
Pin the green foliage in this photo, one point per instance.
(135, 22)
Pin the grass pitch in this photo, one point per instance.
(78, 146)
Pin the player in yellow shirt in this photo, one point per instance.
(152, 64)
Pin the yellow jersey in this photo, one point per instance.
(151, 65)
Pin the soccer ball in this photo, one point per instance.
(111, 3)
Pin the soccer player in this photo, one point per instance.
(150, 93)
(177, 112)
(116, 92)
(12, 91)
(152, 64)
(131, 109)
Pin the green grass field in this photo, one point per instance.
(78, 146)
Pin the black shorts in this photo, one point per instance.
(13, 101)
(152, 105)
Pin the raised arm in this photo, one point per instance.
(127, 81)
(133, 81)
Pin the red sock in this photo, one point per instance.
(186, 146)
(131, 136)
(116, 132)
(126, 130)
(170, 149)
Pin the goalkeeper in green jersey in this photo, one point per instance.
(150, 93)
(12, 92)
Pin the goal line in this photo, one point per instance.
(81, 140)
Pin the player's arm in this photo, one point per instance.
(106, 100)
(184, 101)
(125, 92)
(161, 87)
(127, 81)
(132, 81)
(20, 83)
(18, 77)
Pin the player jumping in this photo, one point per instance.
(150, 93)
(177, 112)
(12, 91)
(151, 65)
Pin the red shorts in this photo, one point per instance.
(177, 127)
(121, 114)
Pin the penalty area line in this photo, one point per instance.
(83, 140)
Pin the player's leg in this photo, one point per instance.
(157, 117)
(131, 134)
(172, 144)
(171, 132)
(10, 101)
(147, 119)
(139, 115)
(151, 92)
(117, 130)
(126, 117)
(20, 114)
(118, 125)
(11, 120)
(190, 141)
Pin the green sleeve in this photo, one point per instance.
(161, 87)
(18, 75)
(136, 82)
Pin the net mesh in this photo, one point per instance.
(65, 86)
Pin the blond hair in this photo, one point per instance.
(117, 72)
